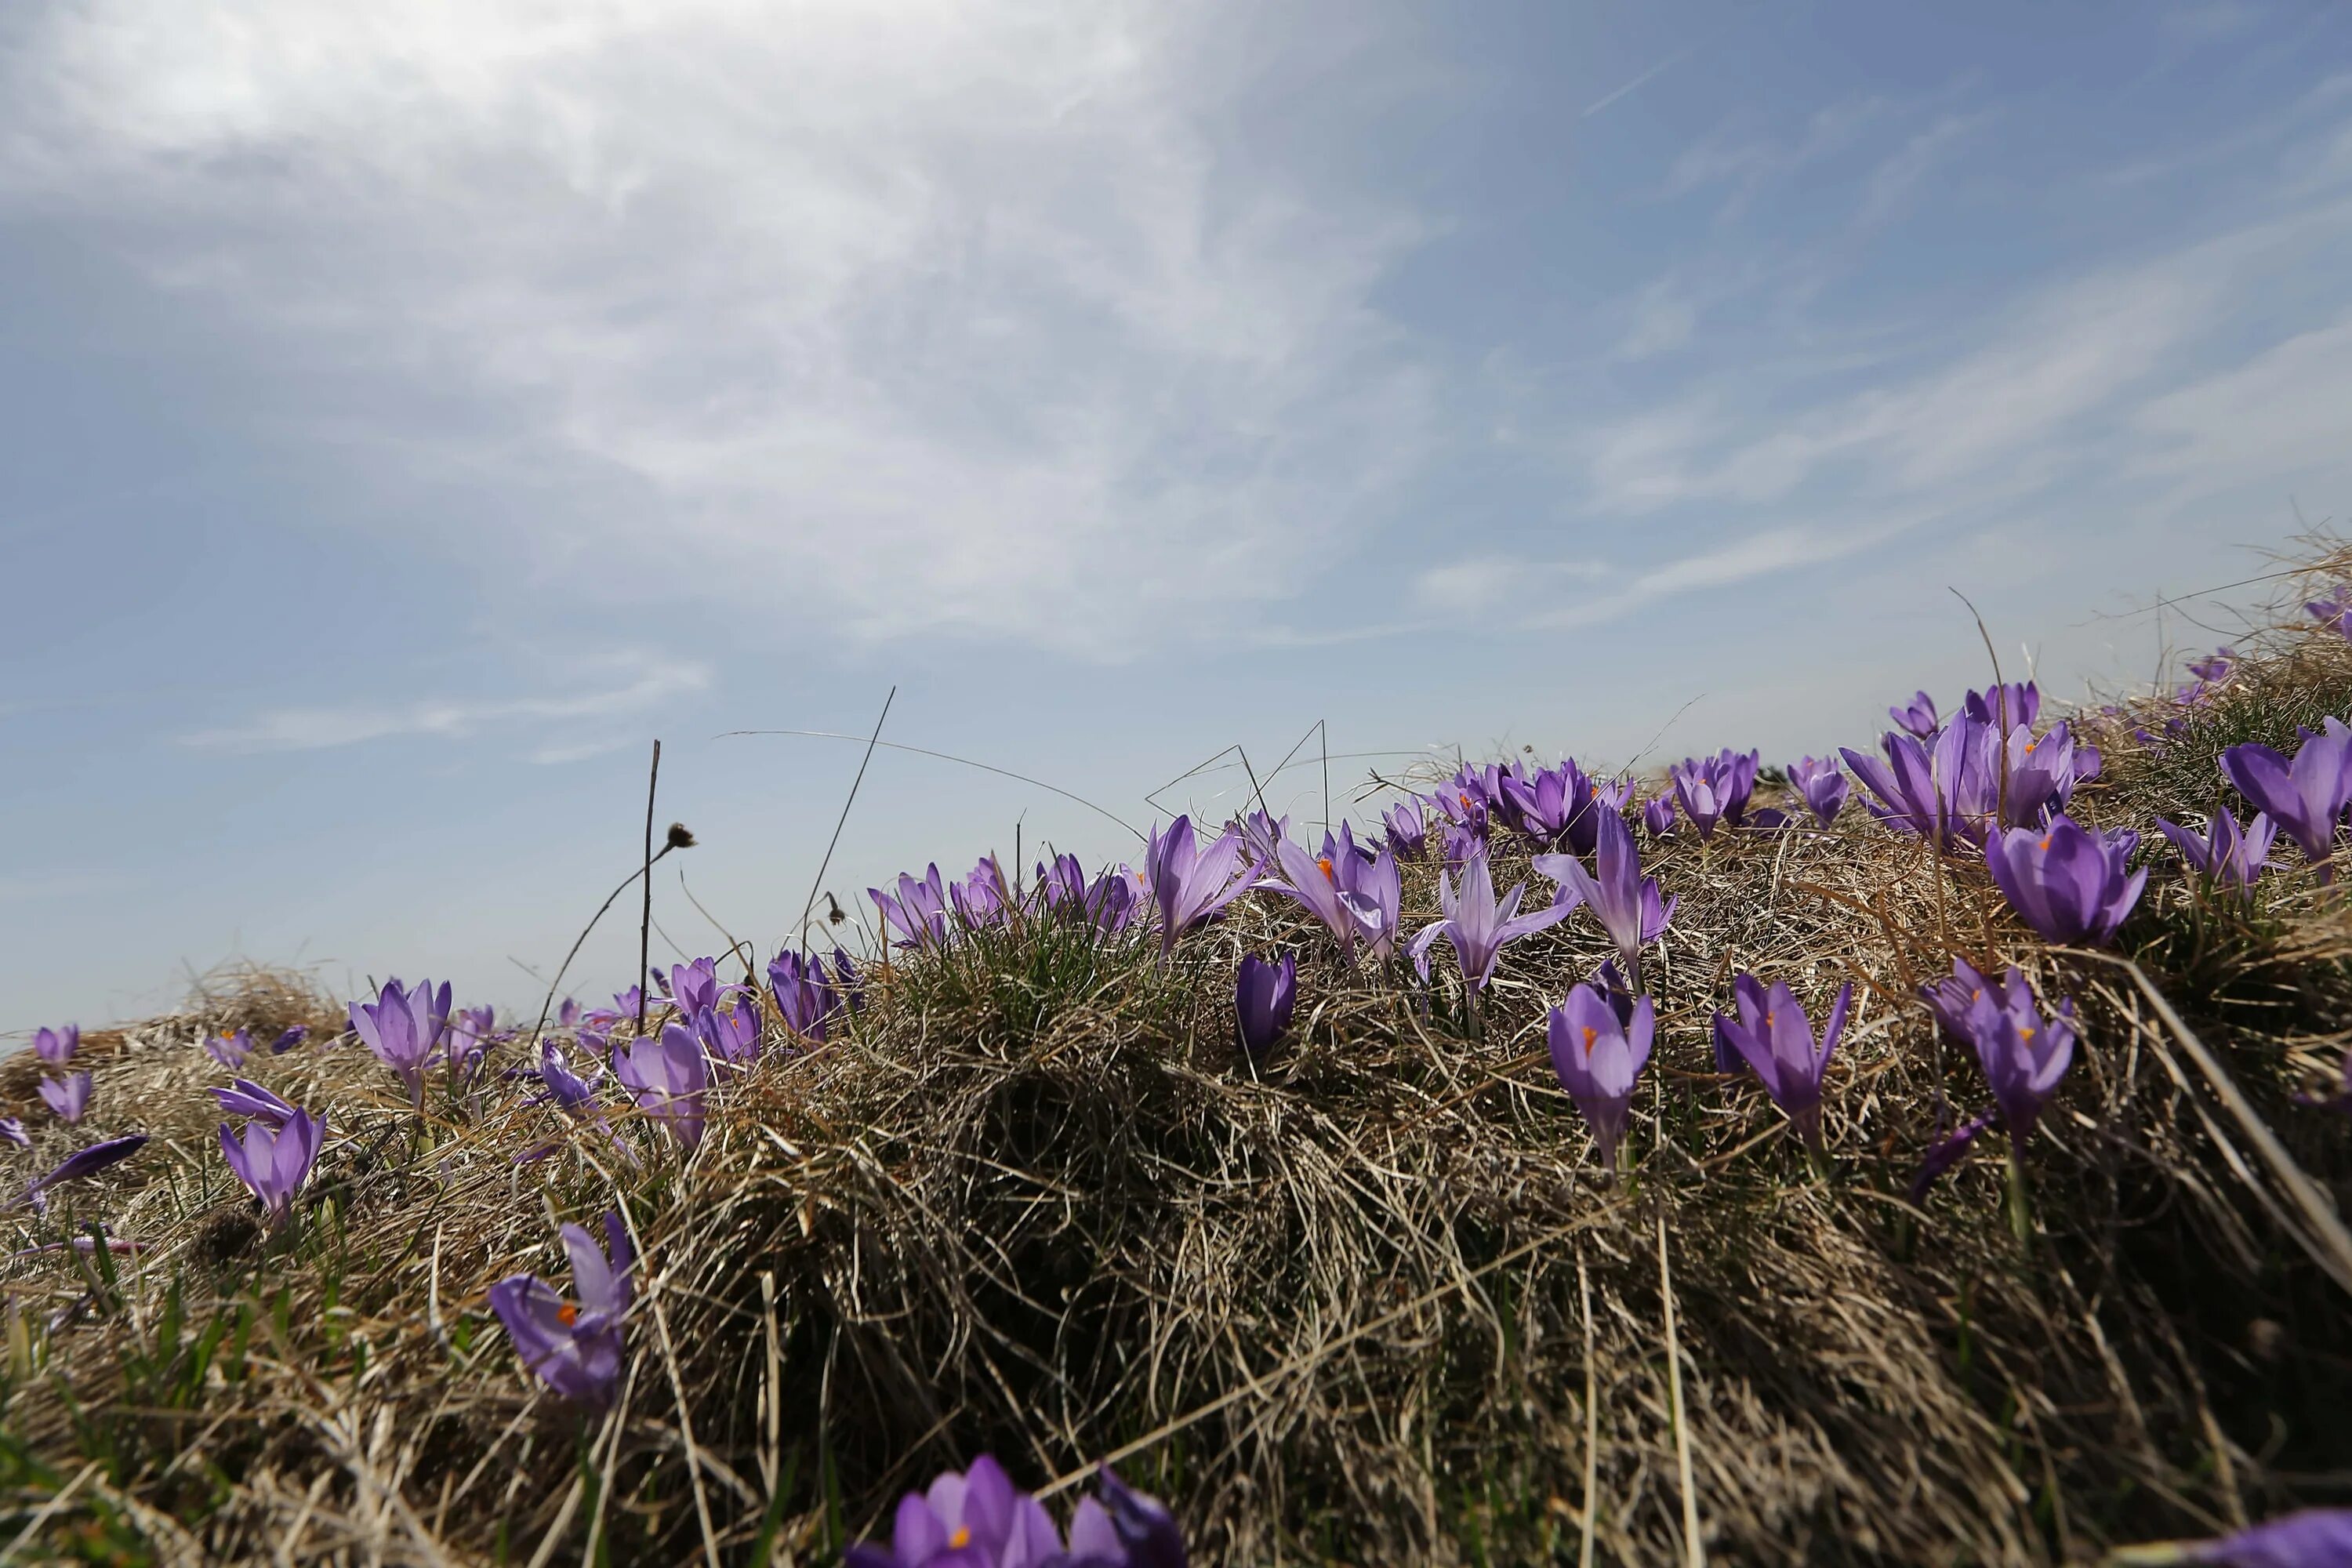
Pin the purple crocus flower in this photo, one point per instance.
(1263, 834)
(2229, 856)
(57, 1047)
(694, 987)
(666, 1076)
(12, 1131)
(1551, 804)
(274, 1162)
(2334, 611)
(731, 1037)
(984, 898)
(466, 1041)
(67, 1096)
(1142, 1525)
(1715, 789)
(1477, 924)
(1377, 889)
(2005, 706)
(1821, 783)
(2043, 772)
(920, 913)
(290, 1039)
(1190, 884)
(573, 1347)
(84, 1162)
(806, 998)
(571, 1091)
(403, 1027)
(230, 1050)
(2313, 1538)
(567, 1015)
(2215, 666)
(1263, 995)
(2305, 796)
(1408, 830)
(2022, 1053)
(1658, 815)
(1598, 1058)
(1946, 1152)
(2068, 881)
(1918, 719)
(1316, 883)
(1775, 1037)
(245, 1097)
(980, 1520)
(1626, 901)
(624, 1006)
(1951, 789)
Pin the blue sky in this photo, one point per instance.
(411, 410)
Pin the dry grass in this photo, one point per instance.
(1035, 1203)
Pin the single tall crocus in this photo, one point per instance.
(806, 997)
(1919, 719)
(2304, 797)
(1263, 995)
(2229, 856)
(574, 1347)
(1658, 815)
(1190, 884)
(1478, 924)
(1377, 888)
(695, 986)
(668, 1077)
(402, 1028)
(1598, 1058)
(1821, 783)
(1774, 1037)
(1626, 903)
(245, 1097)
(2068, 882)
(67, 1096)
(273, 1164)
(57, 1047)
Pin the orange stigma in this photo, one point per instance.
(567, 1314)
(1325, 861)
(1591, 1034)
(961, 1539)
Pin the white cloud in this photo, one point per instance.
(935, 314)
(651, 682)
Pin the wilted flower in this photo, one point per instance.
(273, 1164)
(573, 1347)
(245, 1097)
(2022, 1053)
(1191, 884)
(85, 1162)
(1626, 901)
(1658, 815)
(2005, 706)
(2305, 797)
(57, 1047)
(1919, 719)
(1477, 924)
(403, 1027)
(1821, 783)
(666, 1076)
(1715, 789)
(1775, 1037)
(1408, 830)
(2068, 881)
(67, 1096)
(1263, 995)
(2231, 856)
(920, 913)
(1598, 1058)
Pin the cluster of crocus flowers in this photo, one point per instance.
(1264, 995)
(1108, 902)
(2229, 858)
(2070, 882)
(402, 1026)
(978, 1519)
(1822, 785)
(1478, 924)
(1357, 896)
(1771, 1033)
(275, 1158)
(1942, 791)
(2305, 795)
(920, 913)
(1597, 1055)
(1716, 789)
(1191, 885)
(807, 997)
(574, 1346)
(1626, 903)
(1407, 830)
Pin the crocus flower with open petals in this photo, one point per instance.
(2022, 1052)
(57, 1047)
(67, 1096)
(1919, 719)
(1190, 884)
(1316, 883)
(273, 1164)
(694, 986)
(1551, 804)
(2043, 772)
(978, 1519)
(1263, 995)
(920, 913)
(1477, 924)
(2068, 881)
(245, 1097)
(230, 1050)
(84, 1162)
(1775, 1037)
(402, 1028)
(1408, 830)
(729, 1036)
(1626, 901)
(2005, 706)
(1715, 789)
(1822, 785)
(2304, 797)
(1941, 792)
(573, 1347)
(667, 1075)
(1598, 1060)
(2229, 856)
